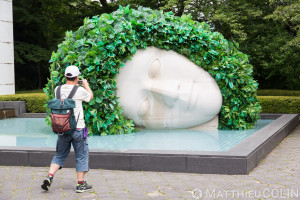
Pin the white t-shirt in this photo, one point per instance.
(80, 95)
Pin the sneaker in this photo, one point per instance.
(83, 187)
(47, 182)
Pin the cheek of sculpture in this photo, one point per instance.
(161, 89)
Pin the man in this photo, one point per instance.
(79, 143)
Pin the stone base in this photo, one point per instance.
(211, 125)
(33, 115)
(7, 113)
(19, 106)
(238, 160)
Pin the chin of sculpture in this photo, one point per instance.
(160, 89)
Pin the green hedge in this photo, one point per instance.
(279, 104)
(274, 92)
(34, 101)
(270, 104)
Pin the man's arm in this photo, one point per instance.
(85, 84)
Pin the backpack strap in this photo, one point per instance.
(73, 91)
(58, 92)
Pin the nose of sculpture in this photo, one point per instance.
(172, 92)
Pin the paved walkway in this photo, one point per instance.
(276, 177)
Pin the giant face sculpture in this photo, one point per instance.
(161, 89)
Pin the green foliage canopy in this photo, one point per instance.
(104, 43)
(39, 25)
(268, 31)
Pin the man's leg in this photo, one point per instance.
(82, 185)
(80, 176)
(54, 168)
(63, 147)
(49, 179)
(80, 145)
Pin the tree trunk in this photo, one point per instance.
(104, 3)
(181, 7)
(39, 74)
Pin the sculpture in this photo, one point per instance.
(103, 44)
(161, 89)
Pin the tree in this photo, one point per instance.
(39, 25)
(268, 31)
(288, 13)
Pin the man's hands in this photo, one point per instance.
(85, 84)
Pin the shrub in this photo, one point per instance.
(270, 104)
(280, 104)
(34, 101)
(104, 43)
(274, 92)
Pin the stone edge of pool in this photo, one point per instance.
(238, 160)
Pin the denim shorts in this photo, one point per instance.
(80, 146)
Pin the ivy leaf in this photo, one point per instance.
(231, 85)
(94, 112)
(118, 28)
(98, 100)
(55, 74)
(218, 76)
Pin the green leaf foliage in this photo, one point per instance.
(103, 44)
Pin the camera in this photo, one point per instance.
(80, 82)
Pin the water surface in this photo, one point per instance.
(34, 132)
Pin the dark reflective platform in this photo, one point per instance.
(31, 142)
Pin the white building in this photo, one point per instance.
(7, 71)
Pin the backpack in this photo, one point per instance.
(62, 113)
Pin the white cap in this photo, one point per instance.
(72, 71)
